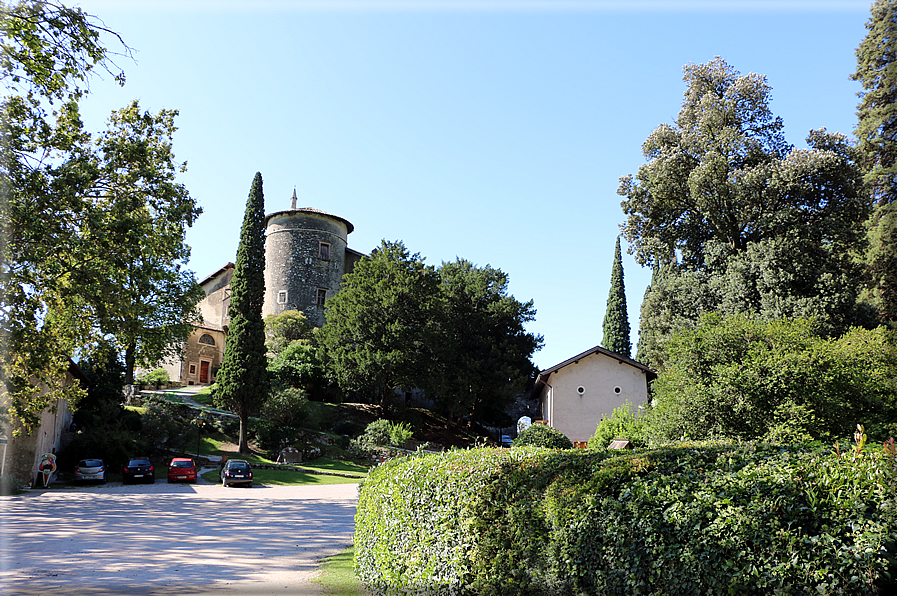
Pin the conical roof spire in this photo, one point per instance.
(293, 201)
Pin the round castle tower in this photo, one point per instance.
(305, 259)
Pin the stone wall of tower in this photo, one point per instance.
(305, 259)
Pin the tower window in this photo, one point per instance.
(324, 251)
(321, 297)
(282, 297)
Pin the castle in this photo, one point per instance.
(306, 256)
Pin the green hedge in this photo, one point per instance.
(708, 519)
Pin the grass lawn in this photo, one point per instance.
(289, 477)
(338, 577)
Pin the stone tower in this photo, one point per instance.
(306, 256)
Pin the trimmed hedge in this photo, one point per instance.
(707, 519)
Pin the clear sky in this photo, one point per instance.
(495, 131)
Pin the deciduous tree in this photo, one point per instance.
(243, 376)
(724, 201)
(47, 52)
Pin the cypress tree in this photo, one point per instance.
(243, 377)
(616, 320)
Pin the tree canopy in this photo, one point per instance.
(453, 332)
(92, 234)
(481, 350)
(243, 376)
(726, 206)
(375, 339)
(737, 377)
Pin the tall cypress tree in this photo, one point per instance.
(876, 133)
(243, 377)
(616, 320)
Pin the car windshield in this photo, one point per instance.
(239, 465)
(90, 463)
(182, 464)
(139, 462)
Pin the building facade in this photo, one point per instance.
(306, 256)
(576, 393)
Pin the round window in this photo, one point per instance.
(618, 390)
(581, 390)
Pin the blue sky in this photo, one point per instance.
(495, 131)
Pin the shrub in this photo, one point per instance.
(399, 432)
(379, 433)
(621, 424)
(542, 435)
(158, 376)
(272, 437)
(287, 406)
(708, 519)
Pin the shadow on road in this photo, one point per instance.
(176, 541)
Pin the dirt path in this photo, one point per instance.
(172, 539)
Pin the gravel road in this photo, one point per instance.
(172, 538)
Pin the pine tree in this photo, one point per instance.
(243, 377)
(616, 320)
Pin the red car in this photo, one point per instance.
(182, 469)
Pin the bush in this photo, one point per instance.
(272, 437)
(542, 435)
(400, 432)
(379, 433)
(622, 424)
(697, 519)
(287, 406)
(158, 376)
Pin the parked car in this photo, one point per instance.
(138, 468)
(506, 441)
(182, 469)
(90, 470)
(236, 471)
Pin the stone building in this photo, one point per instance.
(306, 256)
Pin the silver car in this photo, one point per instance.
(90, 470)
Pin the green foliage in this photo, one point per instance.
(480, 349)
(166, 427)
(399, 432)
(380, 433)
(285, 328)
(297, 365)
(287, 407)
(697, 519)
(738, 377)
(616, 319)
(92, 237)
(881, 262)
(542, 435)
(877, 112)
(738, 219)
(453, 332)
(158, 376)
(243, 377)
(623, 423)
(375, 337)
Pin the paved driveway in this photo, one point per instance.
(172, 539)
